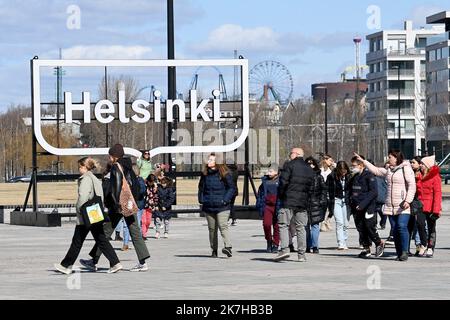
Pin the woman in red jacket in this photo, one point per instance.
(431, 199)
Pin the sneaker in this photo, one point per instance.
(403, 257)
(88, 264)
(139, 267)
(308, 250)
(166, 235)
(234, 223)
(301, 258)
(157, 235)
(379, 250)
(341, 248)
(227, 251)
(315, 250)
(214, 254)
(274, 248)
(281, 256)
(62, 269)
(429, 253)
(115, 268)
(422, 251)
(125, 248)
(365, 254)
(291, 248)
(390, 241)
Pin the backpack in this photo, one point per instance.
(381, 189)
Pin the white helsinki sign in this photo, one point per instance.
(104, 108)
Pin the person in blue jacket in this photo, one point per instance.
(215, 193)
(268, 205)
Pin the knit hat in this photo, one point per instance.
(428, 161)
(116, 151)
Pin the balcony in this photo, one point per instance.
(403, 92)
(403, 73)
(438, 38)
(393, 132)
(406, 52)
(403, 111)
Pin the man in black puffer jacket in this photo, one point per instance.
(296, 182)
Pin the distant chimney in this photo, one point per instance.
(408, 25)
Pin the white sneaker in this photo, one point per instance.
(139, 267)
(62, 269)
(429, 253)
(115, 268)
(166, 235)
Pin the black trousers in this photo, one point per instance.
(232, 212)
(423, 220)
(135, 234)
(366, 224)
(101, 241)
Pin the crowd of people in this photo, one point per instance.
(295, 201)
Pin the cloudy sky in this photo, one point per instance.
(313, 39)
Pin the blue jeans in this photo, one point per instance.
(401, 233)
(122, 226)
(341, 217)
(139, 216)
(312, 235)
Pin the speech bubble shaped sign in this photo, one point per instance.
(36, 64)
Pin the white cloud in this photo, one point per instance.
(107, 52)
(264, 40)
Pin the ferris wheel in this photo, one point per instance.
(271, 81)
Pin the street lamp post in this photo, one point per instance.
(398, 106)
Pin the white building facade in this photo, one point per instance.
(397, 82)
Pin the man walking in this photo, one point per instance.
(296, 182)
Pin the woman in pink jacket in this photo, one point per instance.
(401, 188)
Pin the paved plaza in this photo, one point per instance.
(180, 268)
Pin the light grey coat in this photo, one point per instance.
(86, 184)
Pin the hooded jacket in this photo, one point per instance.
(87, 185)
(401, 186)
(431, 191)
(364, 191)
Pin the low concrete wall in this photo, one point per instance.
(35, 219)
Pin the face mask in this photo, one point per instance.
(356, 170)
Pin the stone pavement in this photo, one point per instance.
(180, 268)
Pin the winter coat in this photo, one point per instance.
(87, 183)
(296, 182)
(215, 193)
(151, 200)
(166, 198)
(431, 191)
(363, 191)
(235, 176)
(142, 193)
(145, 168)
(397, 190)
(334, 188)
(268, 195)
(317, 205)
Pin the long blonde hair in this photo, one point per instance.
(89, 163)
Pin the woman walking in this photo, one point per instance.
(121, 173)
(419, 234)
(215, 192)
(327, 166)
(88, 187)
(432, 202)
(338, 183)
(317, 207)
(401, 189)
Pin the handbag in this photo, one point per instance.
(127, 203)
(93, 211)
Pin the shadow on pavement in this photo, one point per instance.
(197, 256)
